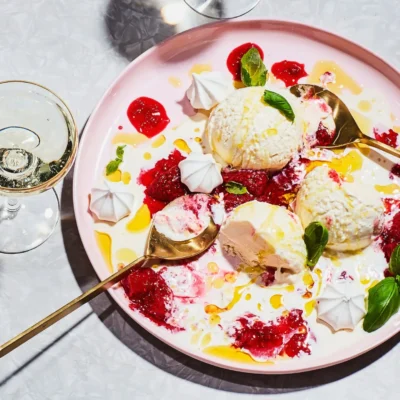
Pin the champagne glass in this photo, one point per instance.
(222, 9)
(38, 143)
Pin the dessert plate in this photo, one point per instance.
(163, 73)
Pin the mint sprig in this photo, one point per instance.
(316, 237)
(235, 188)
(253, 70)
(277, 101)
(113, 165)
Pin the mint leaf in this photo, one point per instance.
(280, 103)
(316, 237)
(112, 166)
(394, 264)
(253, 70)
(235, 188)
(383, 302)
(120, 152)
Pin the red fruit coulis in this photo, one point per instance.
(235, 56)
(148, 116)
(150, 294)
(289, 72)
(395, 170)
(163, 182)
(287, 335)
(390, 236)
(391, 138)
(323, 136)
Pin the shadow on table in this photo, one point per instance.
(176, 363)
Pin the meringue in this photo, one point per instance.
(200, 173)
(208, 89)
(111, 204)
(342, 304)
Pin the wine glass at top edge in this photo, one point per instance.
(38, 143)
(222, 9)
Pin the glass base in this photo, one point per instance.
(29, 222)
(222, 9)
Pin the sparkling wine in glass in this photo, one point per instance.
(222, 9)
(38, 143)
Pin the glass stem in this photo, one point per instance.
(13, 205)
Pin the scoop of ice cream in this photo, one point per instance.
(245, 132)
(266, 235)
(352, 212)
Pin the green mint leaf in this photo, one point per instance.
(383, 302)
(280, 103)
(235, 188)
(120, 152)
(112, 166)
(316, 237)
(394, 264)
(253, 70)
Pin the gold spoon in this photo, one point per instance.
(158, 247)
(347, 130)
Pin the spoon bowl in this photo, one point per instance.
(347, 130)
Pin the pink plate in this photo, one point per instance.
(148, 76)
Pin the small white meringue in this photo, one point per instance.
(112, 203)
(342, 304)
(200, 173)
(208, 89)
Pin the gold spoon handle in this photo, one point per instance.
(379, 145)
(68, 308)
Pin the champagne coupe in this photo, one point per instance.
(38, 143)
(222, 9)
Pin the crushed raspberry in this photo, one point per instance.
(255, 181)
(323, 136)
(387, 273)
(390, 236)
(334, 176)
(288, 71)
(231, 200)
(395, 170)
(286, 335)
(150, 294)
(390, 138)
(268, 277)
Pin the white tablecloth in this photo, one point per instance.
(77, 48)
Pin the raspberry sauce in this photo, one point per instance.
(395, 170)
(323, 137)
(148, 116)
(390, 236)
(289, 72)
(235, 56)
(391, 138)
(285, 336)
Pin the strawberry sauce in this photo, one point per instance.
(235, 56)
(148, 116)
(391, 138)
(286, 336)
(390, 236)
(289, 72)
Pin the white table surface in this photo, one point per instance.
(77, 48)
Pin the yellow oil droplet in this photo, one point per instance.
(199, 68)
(272, 132)
(218, 283)
(209, 281)
(182, 145)
(285, 313)
(363, 122)
(140, 221)
(197, 130)
(289, 288)
(125, 255)
(396, 129)
(248, 296)
(230, 277)
(147, 156)
(374, 283)
(174, 81)
(259, 307)
(309, 307)
(206, 340)
(215, 319)
(308, 279)
(133, 139)
(343, 80)
(232, 354)
(198, 139)
(319, 274)
(365, 281)
(212, 267)
(114, 176)
(196, 337)
(388, 189)
(126, 178)
(364, 105)
(276, 301)
(104, 242)
(159, 141)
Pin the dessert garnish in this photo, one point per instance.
(200, 172)
(289, 72)
(113, 165)
(253, 70)
(280, 103)
(316, 237)
(112, 203)
(341, 305)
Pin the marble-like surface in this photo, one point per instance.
(77, 48)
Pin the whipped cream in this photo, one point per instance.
(208, 89)
(111, 203)
(342, 304)
(200, 172)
